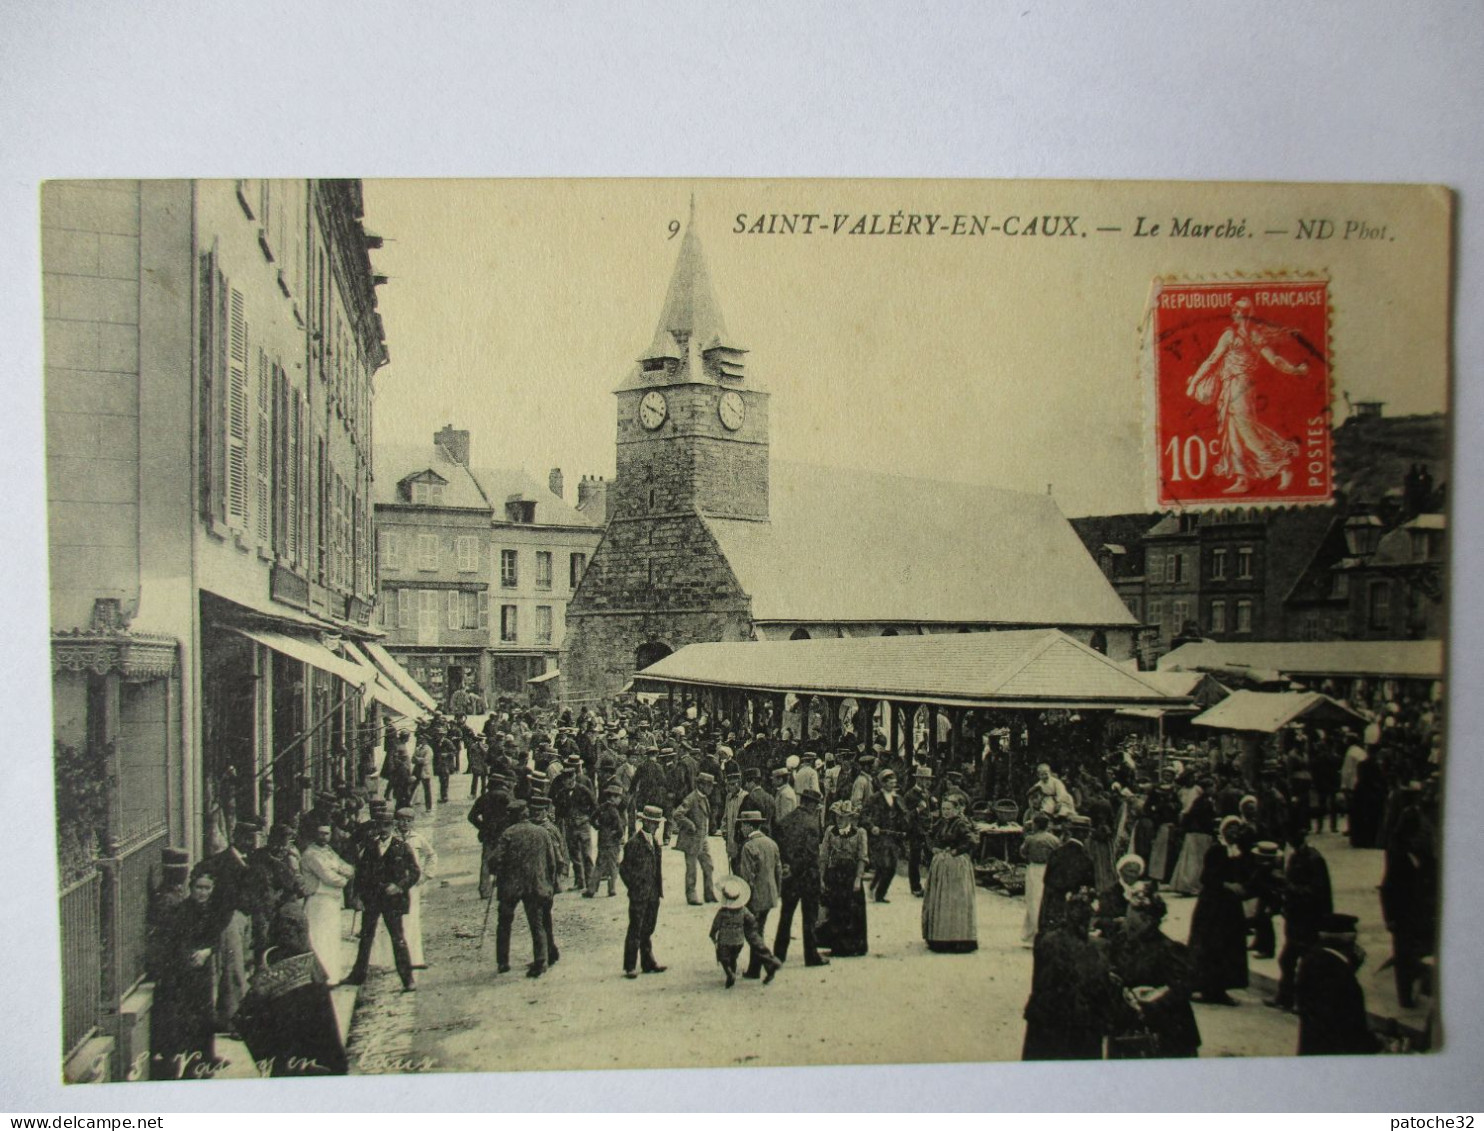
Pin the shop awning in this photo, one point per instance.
(1036, 668)
(383, 690)
(1370, 659)
(545, 677)
(398, 676)
(1270, 711)
(310, 652)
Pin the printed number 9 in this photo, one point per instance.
(1189, 457)
(674, 229)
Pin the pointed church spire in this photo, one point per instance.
(691, 317)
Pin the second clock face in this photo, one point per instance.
(732, 409)
(652, 410)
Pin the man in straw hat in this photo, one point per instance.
(640, 869)
(611, 827)
(735, 924)
(758, 863)
(693, 827)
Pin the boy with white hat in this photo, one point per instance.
(734, 925)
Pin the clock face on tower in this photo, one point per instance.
(732, 409)
(652, 410)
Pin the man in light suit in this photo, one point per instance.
(693, 827)
(640, 869)
(759, 863)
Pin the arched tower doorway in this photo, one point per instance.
(650, 652)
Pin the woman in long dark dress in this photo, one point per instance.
(182, 1021)
(948, 918)
(842, 866)
(1156, 973)
(1218, 928)
(1073, 997)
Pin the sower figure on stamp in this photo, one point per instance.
(640, 869)
(385, 873)
(1249, 448)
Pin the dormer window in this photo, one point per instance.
(653, 365)
(423, 488)
(520, 510)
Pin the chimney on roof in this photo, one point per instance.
(555, 483)
(592, 498)
(455, 442)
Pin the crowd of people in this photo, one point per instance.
(575, 801)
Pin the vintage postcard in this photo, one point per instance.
(567, 624)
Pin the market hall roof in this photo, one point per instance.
(1042, 668)
(1378, 659)
(845, 545)
(1269, 711)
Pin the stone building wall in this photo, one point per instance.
(656, 581)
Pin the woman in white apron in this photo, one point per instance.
(325, 875)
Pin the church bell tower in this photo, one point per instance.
(692, 425)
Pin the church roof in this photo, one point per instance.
(847, 545)
(1029, 667)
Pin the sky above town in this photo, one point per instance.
(902, 329)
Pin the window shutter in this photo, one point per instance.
(206, 373)
(263, 518)
(484, 611)
(237, 414)
(404, 607)
(292, 518)
(453, 608)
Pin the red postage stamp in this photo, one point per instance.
(1242, 392)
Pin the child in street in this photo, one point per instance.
(734, 925)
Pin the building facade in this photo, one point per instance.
(210, 358)
(476, 568)
(1368, 567)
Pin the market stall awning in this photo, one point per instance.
(545, 677)
(398, 676)
(1270, 711)
(383, 690)
(1018, 668)
(310, 652)
(1372, 659)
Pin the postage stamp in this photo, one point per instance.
(1242, 392)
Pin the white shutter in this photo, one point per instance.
(263, 519)
(237, 410)
(404, 608)
(484, 611)
(453, 608)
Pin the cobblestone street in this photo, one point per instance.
(899, 1004)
